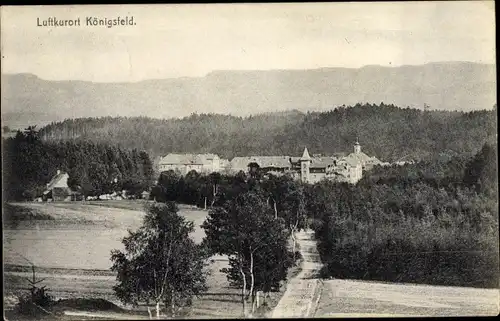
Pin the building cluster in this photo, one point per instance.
(340, 167)
(58, 190)
(344, 168)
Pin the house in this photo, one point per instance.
(184, 163)
(366, 161)
(315, 168)
(58, 189)
(338, 167)
(145, 195)
(346, 170)
(225, 165)
(265, 164)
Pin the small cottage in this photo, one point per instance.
(145, 195)
(58, 189)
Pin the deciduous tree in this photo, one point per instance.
(161, 263)
(245, 229)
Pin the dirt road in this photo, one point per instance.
(307, 296)
(299, 298)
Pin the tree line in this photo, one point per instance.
(29, 163)
(385, 131)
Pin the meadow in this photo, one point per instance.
(78, 235)
(357, 299)
(70, 245)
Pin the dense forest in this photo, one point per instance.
(385, 131)
(404, 224)
(433, 222)
(28, 164)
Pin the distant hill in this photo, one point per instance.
(386, 131)
(461, 86)
(21, 120)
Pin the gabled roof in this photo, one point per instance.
(187, 159)
(316, 162)
(56, 179)
(321, 162)
(275, 161)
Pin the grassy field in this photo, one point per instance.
(79, 235)
(350, 298)
(71, 248)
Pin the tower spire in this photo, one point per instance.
(305, 155)
(305, 162)
(357, 146)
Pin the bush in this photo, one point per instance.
(34, 303)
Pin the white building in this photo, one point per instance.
(184, 163)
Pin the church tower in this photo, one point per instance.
(357, 147)
(305, 162)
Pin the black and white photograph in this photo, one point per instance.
(249, 160)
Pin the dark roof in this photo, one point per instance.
(262, 161)
(321, 162)
(187, 159)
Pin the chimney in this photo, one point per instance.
(58, 172)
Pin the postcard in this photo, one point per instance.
(269, 160)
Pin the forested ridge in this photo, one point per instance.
(385, 131)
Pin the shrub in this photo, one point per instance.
(35, 302)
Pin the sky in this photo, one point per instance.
(193, 40)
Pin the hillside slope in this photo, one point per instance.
(444, 86)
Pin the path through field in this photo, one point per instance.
(307, 296)
(301, 291)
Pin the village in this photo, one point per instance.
(340, 167)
